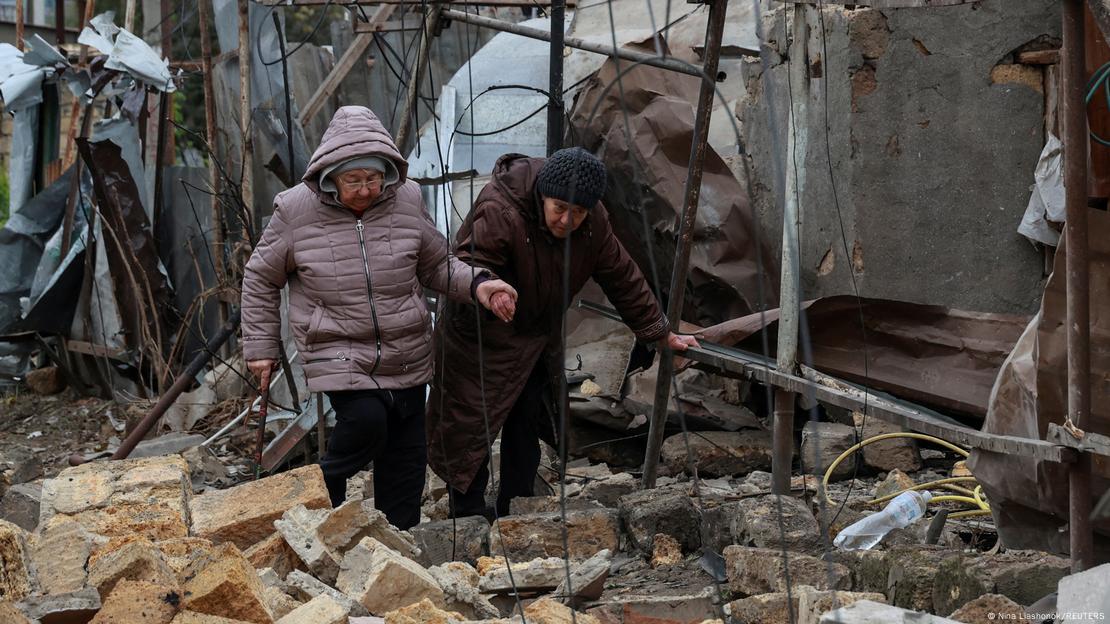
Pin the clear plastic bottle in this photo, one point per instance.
(904, 510)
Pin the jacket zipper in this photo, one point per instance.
(370, 296)
(331, 359)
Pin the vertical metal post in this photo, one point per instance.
(555, 79)
(129, 16)
(700, 144)
(60, 21)
(431, 21)
(19, 24)
(782, 457)
(247, 158)
(1078, 293)
(217, 235)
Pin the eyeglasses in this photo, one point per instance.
(358, 186)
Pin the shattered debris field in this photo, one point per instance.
(554, 311)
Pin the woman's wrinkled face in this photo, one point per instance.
(562, 218)
(358, 188)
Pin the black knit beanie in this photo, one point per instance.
(574, 176)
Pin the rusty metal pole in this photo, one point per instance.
(713, 34)
(19, 24)
(217, 235)
(60, 21)
(431, 22)
(1078, 286)
(246, 158)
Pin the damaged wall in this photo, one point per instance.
(933, 135)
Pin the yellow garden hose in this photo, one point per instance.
(971, 497)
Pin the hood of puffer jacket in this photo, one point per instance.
(354, 131)
(514, 177)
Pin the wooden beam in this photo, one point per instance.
(1039, 57)
(409, 22)
(343, 67)
(1094, 443)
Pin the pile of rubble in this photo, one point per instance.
(133, 541)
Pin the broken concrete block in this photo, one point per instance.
(305, 587)
(548, 611)
(685, 608)
(60, 553)
(868, 612)
(137, 560)
(541, 535)
(244, 514)
(18, 464)
(762, 609)
(21, 505)
(647, 513)
(281, 604)
(1022, 576)
(895, 482)
(16, 572)
(828, 440)
(45, 381)
(523, 505)
(1085, 592)
(178, 552)
(813, 603)
(274, 553)
(147, 497)
(989, 608)
(911, 574)
(894, 454)
(192, 617)
(719, 453)
(464, 539)
(319, 610)
(345, 527)
(381, 579)
(139, 602)
(761, 570)
(167, 444)
(665, 551)
(535, 575)
(228, 587)
(423, 612)
(587, 580)
(11, 615)
(78, 606)
(609, 490)
(298, 527)
(459, 582)
(758, 524)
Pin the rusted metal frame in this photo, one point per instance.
(555, 78)
(1078, 286)
(1094, 443)
(60, 21)
(431, 22)
(573, 42)
(245, 124)
(74, 112)
(829, 390)
(164, 104)
(74, 187)
(700, 145)
(342, 67)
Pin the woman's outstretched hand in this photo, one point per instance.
(498, 297)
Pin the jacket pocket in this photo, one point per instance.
(312, 334)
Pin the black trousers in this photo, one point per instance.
(528, 421)
(385, 427)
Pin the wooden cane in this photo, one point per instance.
(263, 408)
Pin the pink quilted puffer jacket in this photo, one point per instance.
(356, 307)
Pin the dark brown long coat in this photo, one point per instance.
(505, 233)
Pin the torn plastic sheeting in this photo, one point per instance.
(99, 321)
(127, 53)
(132, 255)
(649, 170)
(125, 135)
(1029, 498)
(20, 82)
(21, 245)
(1046, 202)
(940, 357)
(42, 54)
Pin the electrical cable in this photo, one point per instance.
(285, 55)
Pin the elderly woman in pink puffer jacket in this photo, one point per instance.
(355, 244)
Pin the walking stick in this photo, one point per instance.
(263, 408)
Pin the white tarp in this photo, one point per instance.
(1046, 203)
(127, 53)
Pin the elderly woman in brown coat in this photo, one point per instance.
(519, 228)
(355, 245)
